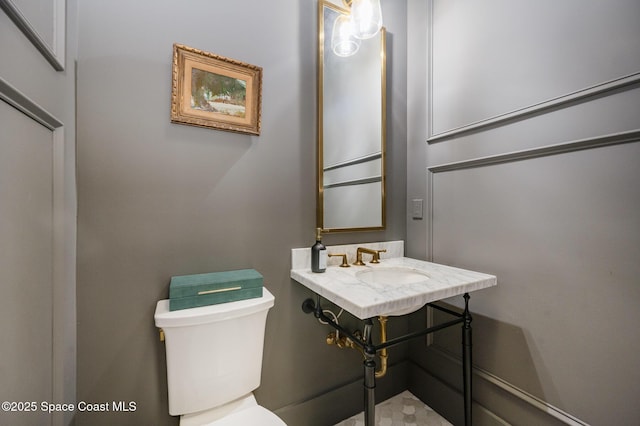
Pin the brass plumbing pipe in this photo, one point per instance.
(346, 342)
(383, 352)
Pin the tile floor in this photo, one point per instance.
(403, 409)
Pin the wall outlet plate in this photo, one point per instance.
(416, 208)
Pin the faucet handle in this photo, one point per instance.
(376, 256)
(374, 253)
(344, 264)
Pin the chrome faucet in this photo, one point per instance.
(374, 253)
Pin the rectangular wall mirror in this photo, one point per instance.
(351, 130)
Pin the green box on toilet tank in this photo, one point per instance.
(191, 291)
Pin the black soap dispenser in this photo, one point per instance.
(318, 254)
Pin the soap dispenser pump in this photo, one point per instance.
(318, 254)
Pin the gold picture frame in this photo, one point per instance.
(212, 91)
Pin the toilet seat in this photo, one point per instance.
(256, 415)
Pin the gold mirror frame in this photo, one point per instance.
(321, 167)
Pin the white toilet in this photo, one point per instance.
(214, 361)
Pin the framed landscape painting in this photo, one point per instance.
(209, 90)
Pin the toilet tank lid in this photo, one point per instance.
(212, 313)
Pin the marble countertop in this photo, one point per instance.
(367, 300)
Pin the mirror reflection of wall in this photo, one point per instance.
(351, 134)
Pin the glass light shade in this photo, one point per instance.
(367, 18)
(343, 41)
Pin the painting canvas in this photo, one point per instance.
(218, 93)
(213, 91)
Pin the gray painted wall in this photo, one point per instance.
(555, 341)
(158, 199)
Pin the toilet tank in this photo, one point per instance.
(214, 353)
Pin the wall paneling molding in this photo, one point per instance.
(527, 154)
(63, 221)
(22, 103)
(567, 100)
(53, 51)
(521, 155)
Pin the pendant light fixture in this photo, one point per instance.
(343, 41)
(366, 16)
(364, 21)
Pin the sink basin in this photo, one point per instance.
(395, 286)
(391, 276)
